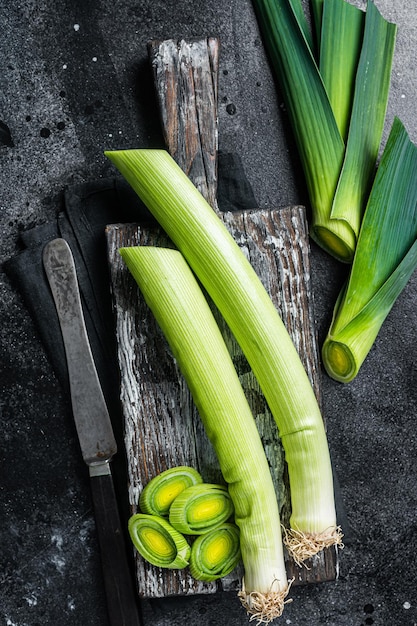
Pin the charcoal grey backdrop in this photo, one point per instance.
(74, 80)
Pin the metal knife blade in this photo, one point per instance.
(92, 419)
(95, 432)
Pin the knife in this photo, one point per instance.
(95, 433)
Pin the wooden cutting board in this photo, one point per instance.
(162, 426)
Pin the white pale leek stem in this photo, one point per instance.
(181, 310)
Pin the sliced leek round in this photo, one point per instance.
(158, 495)
(200, 508)
(216, 553)
(158, 542)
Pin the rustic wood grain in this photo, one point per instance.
(186, 76)
(162, 426)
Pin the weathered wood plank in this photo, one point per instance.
(186, 76)
(161, 423)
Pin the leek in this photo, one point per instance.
(323, 114)
(342, 33)
(385, 258)
(158, 542)
(239, 295)
(216, 553)
(200, 508)
(181, 310)
(320, 144)
(367, 118)
(157, 496)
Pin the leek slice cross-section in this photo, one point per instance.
(216, 553)
(385, 258)
(158, 495)
(200, 508)
(158, 542)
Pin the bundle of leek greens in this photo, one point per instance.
(206, 248)
(336, 95)
(336, 86)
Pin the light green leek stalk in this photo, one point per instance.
(200, 508)
(158, 542)
(385, 258)
(181, 310)
(216, 553)
(239, 295)
(159, 493)
(367, 117)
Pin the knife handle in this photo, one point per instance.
(122, 599)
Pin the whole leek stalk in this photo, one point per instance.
(236, 290)
(160, 492)
(182, 312)
(216, 553)
(200, 508)
(385, 258)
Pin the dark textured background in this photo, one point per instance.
(75, 80)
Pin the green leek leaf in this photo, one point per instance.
(320, 144)
(216, 553)
(385, 258)
(367, 119)
(317, 14)
(322, 110)
(159, 493)
(298, 10)
(341, 42)
(158, 542)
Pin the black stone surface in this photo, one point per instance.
(75, 80)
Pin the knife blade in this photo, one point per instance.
(95, 433)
